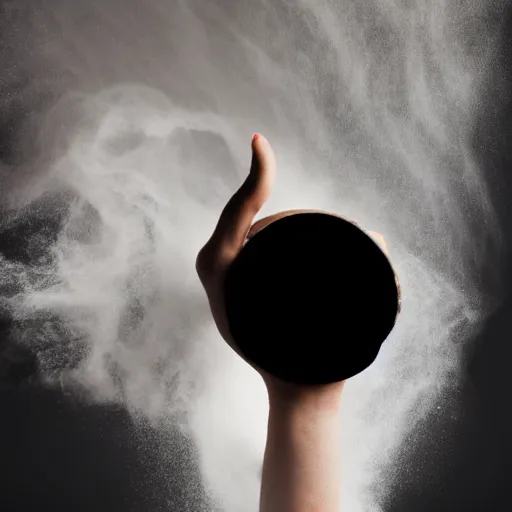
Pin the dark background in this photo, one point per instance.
(60, 455)
(472, 465)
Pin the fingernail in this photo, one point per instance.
(255, 137)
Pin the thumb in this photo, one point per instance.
(237, 217)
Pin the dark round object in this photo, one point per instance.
(311, 298)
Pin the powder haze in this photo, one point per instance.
(130, 129)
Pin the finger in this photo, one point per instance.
(379, 240)
(237, 216)
(263, 223)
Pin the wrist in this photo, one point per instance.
(290, 397)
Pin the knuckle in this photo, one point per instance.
(204, 263)
(211, 260)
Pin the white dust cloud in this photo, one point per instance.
(369, 109)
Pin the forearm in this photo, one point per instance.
(302, 466)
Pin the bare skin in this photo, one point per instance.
(301, 467)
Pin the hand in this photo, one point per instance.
(232, 232)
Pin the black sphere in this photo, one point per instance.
(311, 298)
